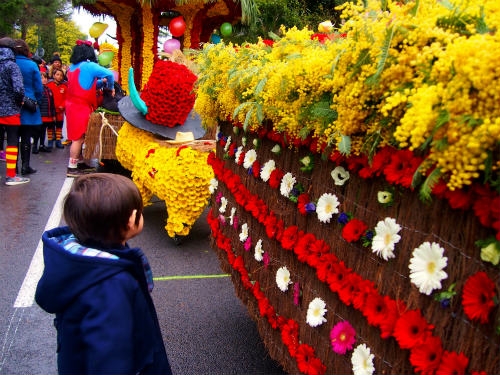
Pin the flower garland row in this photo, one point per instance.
(342, 335)
(408, 327)
(307, 362)
(398, 168)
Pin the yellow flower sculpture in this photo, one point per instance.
(179, 175)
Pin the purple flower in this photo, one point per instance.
(343, 218)
(310, 208)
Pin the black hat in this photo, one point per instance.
(55, 58)
(133, 116)
(7, 42)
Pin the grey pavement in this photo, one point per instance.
(206, 328)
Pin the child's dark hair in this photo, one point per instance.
(82, 52)
(98, 207)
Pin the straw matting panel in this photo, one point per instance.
(107, 141)
(454, 230)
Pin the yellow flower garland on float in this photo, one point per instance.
(179, 175)
(189, 12)
(123, 16)
(148, 48)
(417, 75)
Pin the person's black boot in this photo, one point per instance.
(25, 159)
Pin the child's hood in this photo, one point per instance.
(67, 274)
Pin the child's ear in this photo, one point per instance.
(131, 219)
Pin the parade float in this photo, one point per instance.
(356, 194)
(355, 199)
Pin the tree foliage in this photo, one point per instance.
(43, 24)
(272, 14)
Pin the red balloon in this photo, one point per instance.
(177, 26)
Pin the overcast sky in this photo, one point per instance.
(84, 20)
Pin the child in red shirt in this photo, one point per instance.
(59, 87)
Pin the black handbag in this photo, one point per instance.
(29, 104)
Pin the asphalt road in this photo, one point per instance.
(206, 328)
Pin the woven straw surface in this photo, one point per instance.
(456, 231)
(108, 138)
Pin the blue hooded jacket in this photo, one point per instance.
(33, 88)
(105, 317)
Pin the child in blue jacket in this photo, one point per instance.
(97, 286)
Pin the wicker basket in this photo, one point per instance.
(100, 141)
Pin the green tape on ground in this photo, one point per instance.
(184, 277)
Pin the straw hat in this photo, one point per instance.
(181, 137)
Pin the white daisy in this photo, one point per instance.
(237, 154)
(250, 158)
(259, 251)
(244, 232)
(426, 267)
(228, 143)
(327, 206)
(287, 183)
(231, 217)
(340, 175)
(223, 205)
(214, 184)
(316, 312)
(268, 167)
(386, 237)
(362, 360)
(283, 278)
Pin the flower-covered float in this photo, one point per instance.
(160, 143)
(356, 194)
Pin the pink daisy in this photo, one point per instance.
(342, 337)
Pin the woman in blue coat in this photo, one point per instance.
(31, 122)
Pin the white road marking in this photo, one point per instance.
(26, 295)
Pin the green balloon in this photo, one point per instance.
(226, 29)
(105, 58)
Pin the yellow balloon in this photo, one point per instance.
(97, 29)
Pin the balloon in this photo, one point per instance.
(171, 45)
(97, 29)
(105, 58)
(116, 75)
(214, 38)
(226, 29)
(177, 26)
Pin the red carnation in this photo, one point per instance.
(477, 297)
(425, 358)
(353, 230)
(452, 363)
(302, 248)
(275, 178)
(302, 200)
(307, 362)
(290, 237)
(411, 329)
